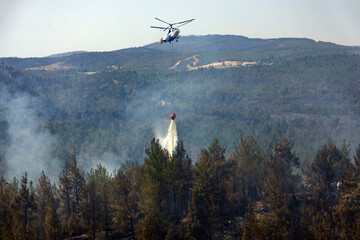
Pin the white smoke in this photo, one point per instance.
(170, 140)
(30, 147)
(111, 161)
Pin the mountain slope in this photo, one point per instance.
(210, 49)
(234, 43)
(113, 103)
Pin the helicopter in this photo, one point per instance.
(173, 33)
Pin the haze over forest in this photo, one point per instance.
(106, 107)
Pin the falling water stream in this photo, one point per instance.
(170, 141)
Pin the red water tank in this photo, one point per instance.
(173, 116)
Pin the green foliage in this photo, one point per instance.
(251, 229)
(46, 208)
(51, 224)
(348, 211)
(281, 222)
(248, 156)
(23, 211)
(209, 203)
(328, 165)
(98, 199)
(6, 199)
(72, 194)
(167, 197)
(155, 191)
(126, 186)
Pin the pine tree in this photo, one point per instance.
(209, 203)
(248, 156)
(348, 208)
(322, 227)
(93, 206)
(328, 165)
(51, 224)
(126, 186)
(155, 191)
(327, 170)
(251, 229)
(72, 193)
(44, 197)
(23, 210)
(275, 192)
(6, 200)
(179, 173)
(150, 228)
(98, 191)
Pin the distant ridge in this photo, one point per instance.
(237, 43)
(66, 54)
(210, 49)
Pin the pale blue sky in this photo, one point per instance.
(36, 28)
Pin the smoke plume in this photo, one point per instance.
(30, 147)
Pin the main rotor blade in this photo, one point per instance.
(184, 22)
(159, 27)
(162, 21)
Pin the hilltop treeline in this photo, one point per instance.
(252, 194)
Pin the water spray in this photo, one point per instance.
(170, 141)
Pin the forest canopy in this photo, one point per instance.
(252, 194)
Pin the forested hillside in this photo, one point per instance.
(210, 48)
(284, 114)
(107, 106)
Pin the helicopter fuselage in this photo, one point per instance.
(172, 35)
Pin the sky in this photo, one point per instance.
(38, 28)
